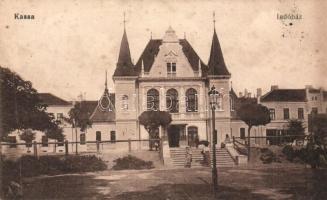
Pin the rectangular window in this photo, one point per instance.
(314, 110)
(242, 133)
(113, 136)
(272, 113)
(44, 141)
(98, 136)
(60, 116)
(60, 142)
(82, 138)
(171, 69)
(300, 113)
(286, 113)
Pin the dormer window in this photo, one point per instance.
(171, 69)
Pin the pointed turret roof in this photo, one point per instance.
(124, 66)
(216, 62)
(105, 111)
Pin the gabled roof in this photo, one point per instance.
(51, 100)
(288, 95)
(104, 110)
(216, 62)
(124, 66)
(152, 49)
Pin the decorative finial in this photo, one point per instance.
(200, 68)
(231, 84)
(106, 85)
(184, 35)
(214, 20)
(142, 68)
(124, 21)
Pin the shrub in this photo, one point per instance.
(267, 156)
(132, 162)
(83, 164)
(289, 152)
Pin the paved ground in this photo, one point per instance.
(234, 183)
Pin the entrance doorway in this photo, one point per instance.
(173, 135)
(192, 135)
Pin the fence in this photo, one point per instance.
(15, 150)
(241, 144)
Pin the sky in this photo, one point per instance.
(70, 44)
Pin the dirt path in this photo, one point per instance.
(235, 183)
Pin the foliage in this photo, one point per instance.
(132, 162)
(253, 114)
(311, 154)
(289, 152)
(56, 134)
(295, 128)
(27, 135)
(32, 166)
(151, 120)
(79, 116)
(21, 106)
(318, 126)
(267, 156)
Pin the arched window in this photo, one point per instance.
(153, 99)
(172, 101)
(191, 100)
(124, 102)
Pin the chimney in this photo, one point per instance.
(249, 94)
(259, 94)
(308, 86)
(240, 94)
(274, 87)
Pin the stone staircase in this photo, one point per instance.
(178, 157)
(223, 158)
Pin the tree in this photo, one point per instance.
(152, 120)
(316, 149)
(253, 114)
(79, 118)
(28, 135)
(295, 128)
(21, 107)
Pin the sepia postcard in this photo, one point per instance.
(163, 99)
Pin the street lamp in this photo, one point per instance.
(213, 98)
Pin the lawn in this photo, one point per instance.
(234, 183)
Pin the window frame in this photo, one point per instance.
(155, 102)
(272, 113)
(172, 99)
(300, 113)
(286, 115)
(191, 103)
(124, 104)
(171, 69)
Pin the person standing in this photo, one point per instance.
(206, 155)
(188, 157)
(196, 141)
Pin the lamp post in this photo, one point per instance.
(213, 98)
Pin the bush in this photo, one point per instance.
(132, 162)
(267, 156)
(289, 152)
